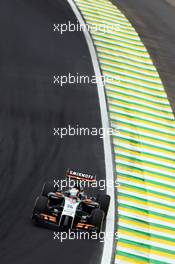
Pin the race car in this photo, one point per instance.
(71, 209)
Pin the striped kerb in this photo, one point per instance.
(144, 144)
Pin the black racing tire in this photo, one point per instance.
(96, 219)
(104, 201)
(40, 205)
(47, 188)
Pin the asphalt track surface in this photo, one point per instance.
(154, 20)
(30, 107)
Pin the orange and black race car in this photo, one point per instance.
(71, 209)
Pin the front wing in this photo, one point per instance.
(50, 220)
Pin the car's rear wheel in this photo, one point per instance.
(104, 201)
(41, 205)
(96, 219)
(47, 188)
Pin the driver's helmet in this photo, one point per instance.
(74, 192)
(79, 187)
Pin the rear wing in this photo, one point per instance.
(79, 176)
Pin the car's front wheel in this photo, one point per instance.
(104, 201)
(96, 219)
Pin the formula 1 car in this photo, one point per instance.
(71, 209)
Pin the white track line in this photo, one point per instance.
(109, 245)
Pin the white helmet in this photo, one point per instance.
(74, 192)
